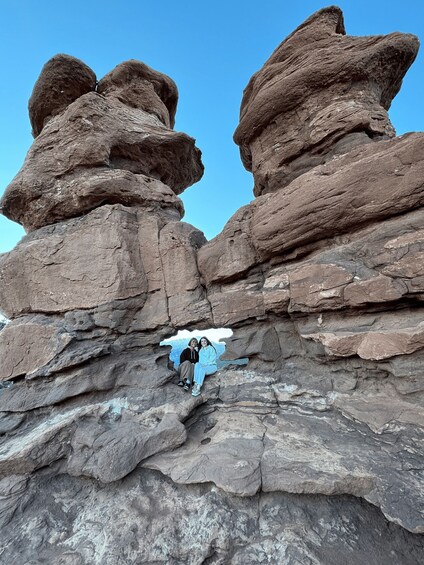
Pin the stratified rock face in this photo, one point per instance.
(313, 453)
(321, 279)
(110, 146)
(320, 94)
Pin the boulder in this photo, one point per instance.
(139, 86)
(63, 79)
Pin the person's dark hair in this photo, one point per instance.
(193, 339)
(207, 341)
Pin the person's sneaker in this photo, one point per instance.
(187, 385)
(196, 390)
(180, 383)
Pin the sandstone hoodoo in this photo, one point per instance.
(313, 453)
(109, 145)
(320, 94)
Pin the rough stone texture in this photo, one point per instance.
(187, 302)
(112, 146)
(207, 525)
(367, 184)
(26, 347)
(139, 86)
(232, 252)
(117, 148)
(373, 336)
(313, 453)
(62, 80)
(293, 450)
(74, 265)
(320, 94)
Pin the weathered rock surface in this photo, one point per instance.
(62, 80)
(104, 149)
(26, 347)
(139, 86)
(365, 186)
(285, 442)
(313, 453)
(206, 525)
(75, 265)
(307, 105)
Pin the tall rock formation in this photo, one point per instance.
(311, 454)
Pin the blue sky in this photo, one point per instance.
(210, 49)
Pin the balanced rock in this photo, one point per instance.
(139, 86)
(105, 149)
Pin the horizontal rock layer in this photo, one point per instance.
(85, 527)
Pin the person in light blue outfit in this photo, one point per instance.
(205, 366)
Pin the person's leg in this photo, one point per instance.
(199, 374)
(185, 370)
(210, 369)
(188, 375)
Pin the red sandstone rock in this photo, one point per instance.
(319, 94)
(187, 302)
(26, 347)
(100, 151)
(116, 147)
(231, 253)
(139, 86)
(63, 79)
(322, 283)
(372, 183)
(78, 264)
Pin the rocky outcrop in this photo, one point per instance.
(320, 94)
(103, 147)
(310, 454)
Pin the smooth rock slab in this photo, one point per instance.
(226, 452)
(375, 182)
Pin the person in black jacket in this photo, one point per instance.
(189, 356)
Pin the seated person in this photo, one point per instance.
(205, 366)
(189, 356)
